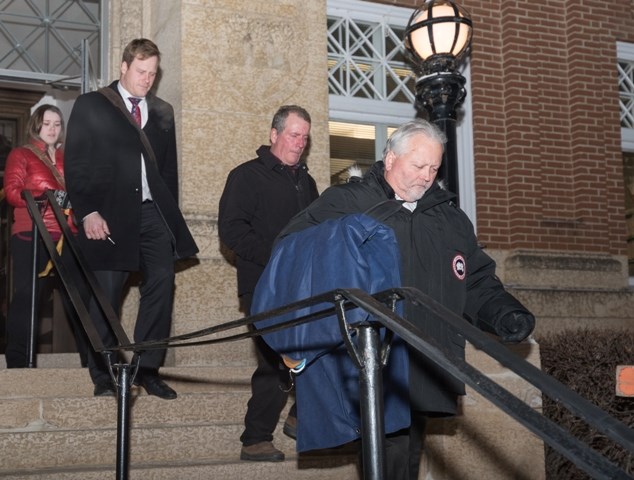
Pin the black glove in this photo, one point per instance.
(515, 326)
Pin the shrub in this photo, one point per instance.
(586, 361)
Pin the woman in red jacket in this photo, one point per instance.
(37, 166)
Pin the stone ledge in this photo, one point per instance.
(579, 270)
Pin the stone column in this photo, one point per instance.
(227, 67)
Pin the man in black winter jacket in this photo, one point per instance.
(440, 257)
(259, 199)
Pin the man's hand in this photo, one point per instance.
(515, 326)
(95, 227)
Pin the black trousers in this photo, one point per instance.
(404, 449)
(269, 390)
(19, 312)
(156, 300)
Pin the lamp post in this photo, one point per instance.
(437, 36)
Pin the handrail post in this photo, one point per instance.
(31, 345)
(123, 421)
(371, 400)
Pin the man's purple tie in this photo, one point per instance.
(136, 111)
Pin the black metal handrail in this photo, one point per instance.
(369, 354)
(377, 306)
(5, 251)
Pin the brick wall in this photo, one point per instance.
(548, 161)
(546, 124)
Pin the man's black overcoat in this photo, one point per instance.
(103, 173)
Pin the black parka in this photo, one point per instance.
(258, 200)
(441, 257)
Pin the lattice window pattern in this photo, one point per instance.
(626, 93)
(366, 60)
(42, 38)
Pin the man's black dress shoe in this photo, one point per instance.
(153, 385)
(105, 389)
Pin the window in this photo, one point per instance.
(372, 90)
(41, 41)
(365, 60)
(625, 65)
(354, 144)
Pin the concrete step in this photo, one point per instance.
(72, 382)
(334, 467)
(51, 426)
(97, 447)
(51, 360)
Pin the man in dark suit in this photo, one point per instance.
(124, 193)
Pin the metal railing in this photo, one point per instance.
(369, 353)
(5, 267)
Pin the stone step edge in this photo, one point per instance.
(34, 430)
(23, 383)
(336, 457)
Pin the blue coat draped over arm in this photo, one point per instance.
(354, 251)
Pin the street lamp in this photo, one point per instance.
(437, 36)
